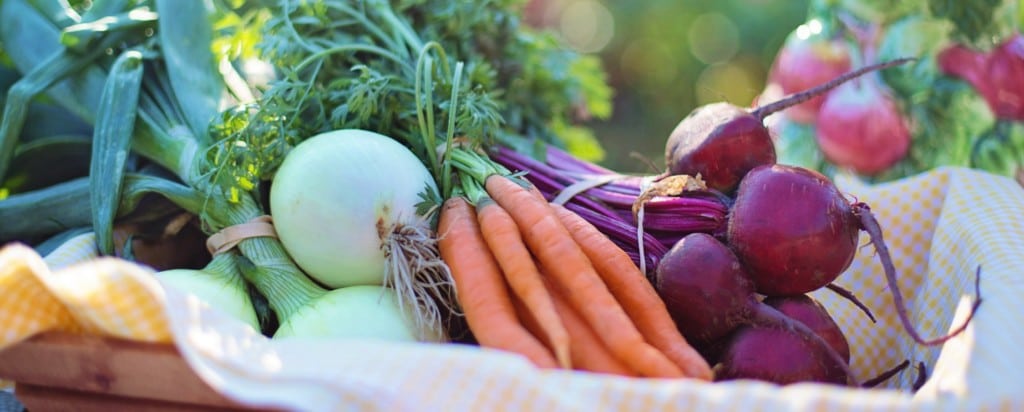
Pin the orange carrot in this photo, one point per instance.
(589, 353)
(506, 244)
(481, 288)
(560, 257)
(635, 293)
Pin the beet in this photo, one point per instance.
(792, 229)
(776, 355)
(722, 142)
(711, 351)
(996, 75)
(807, 60)
(704, 287)
(709, 295)
(810, 312)
(860, 127)
(794, 232)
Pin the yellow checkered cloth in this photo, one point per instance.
(102, 296)
(939, 226)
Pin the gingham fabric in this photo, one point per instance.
(939, 227)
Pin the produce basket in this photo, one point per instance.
(85, 332)
(57, 370)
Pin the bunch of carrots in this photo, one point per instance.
(536, 279)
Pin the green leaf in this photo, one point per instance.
(594, 88)
(950, 117)
(249, 146)
(1001, 149)
(237, 36)
(186, 35)
(981, 24)
(5, 60)
(115, 124)
(518, 83)
(83, 36)
(7, 77)
(883, 11)
(100, 9)
(429, 205)
(49, 160)
(58, 66)
(915, 36)
(797, 145)
(579, 141)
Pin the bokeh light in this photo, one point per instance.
(645, 61)
(713, 38)
(733, 81)
(666, 57)
(587, 25)
(808, 29)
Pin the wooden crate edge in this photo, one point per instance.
(107, 368)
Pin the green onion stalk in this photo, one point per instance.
(179, 96)
(67, 204)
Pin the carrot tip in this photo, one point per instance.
(563, 357)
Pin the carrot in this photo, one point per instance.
(560, 256)
(635, 293)
(481, 288)
(506, 244)
(588, 352)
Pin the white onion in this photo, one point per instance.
(354, 312)
(334, 196)
(216, 290)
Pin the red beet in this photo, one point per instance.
(706, 290)
(808, 59)
(861, 128)
(711, 351)
(792, 229)
(794, 232)
(995, 75)
(722, 142)
(777, 355)
(709, 295)
(806, 310)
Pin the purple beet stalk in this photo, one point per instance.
(624, 235)
(609, 206)
(566, 161)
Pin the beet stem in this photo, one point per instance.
(846, 294)
(884, 376)
(767, 316)
(808, 94)
(565, 161)
(922, 377)
(870, 225)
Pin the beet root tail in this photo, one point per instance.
(884, 376)
(848, 295)
(870, 224)
(922, 377)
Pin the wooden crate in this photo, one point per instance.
(60, 371)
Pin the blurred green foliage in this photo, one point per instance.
(667, 57)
